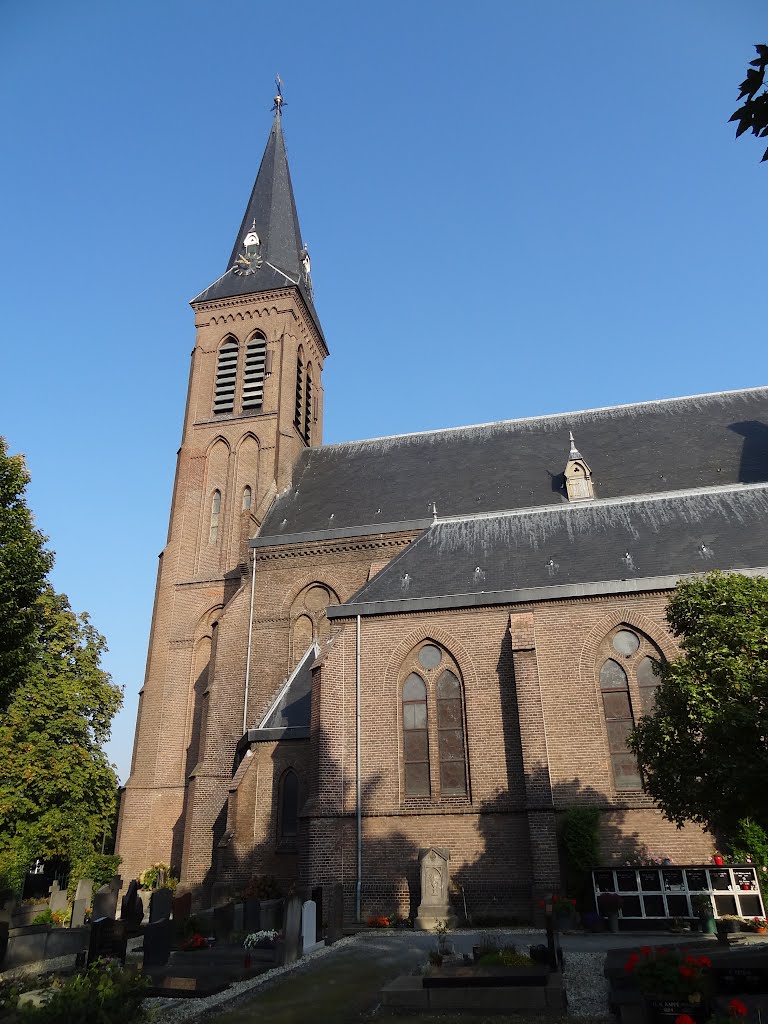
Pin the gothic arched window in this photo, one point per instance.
(415, 736)
(626, 661)
(434, 750)
(247, 498)
(226, 377)
(288, 808)
(215, 513)
(253, 377)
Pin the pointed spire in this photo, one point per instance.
(574, 452)
(268, 251)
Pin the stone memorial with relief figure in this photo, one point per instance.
(435, 906)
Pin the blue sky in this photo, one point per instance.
(513, 207)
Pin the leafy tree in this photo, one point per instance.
(703, 753)
(24, 565)
(752, 115)
(57, 788)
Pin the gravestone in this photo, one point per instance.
(554, 953)
(336, 913)
(84, 890)
(271, 914)
(238, 918)
(435, 906)
(223, 921)
(104, 903)
(182, 907)
(157, 943)
(132, 907)
(309, 927)
(292, 930)
(58, 900)
(107, 940)
(317, 896)
(78, 914)
(160, 904)
(252, 914)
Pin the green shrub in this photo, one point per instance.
(579, 834)
(150, 879)
(507, 957)
(100, 867)
(44, 917)
(104, 994)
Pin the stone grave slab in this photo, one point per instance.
(181, 907)
(84, 890)
(435, 879)
(58, 898)
(104, 903)
(292, 930)
(77, 920)
(336, 913)
(309, 927)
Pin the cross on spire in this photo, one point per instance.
(278, 101)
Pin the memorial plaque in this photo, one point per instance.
(750, 905)
(654, 906)
(725, 905)
(673, 880)
(666, 1011)
(604, 881)
(626, 881)
(720, 878)
(697, 880)
(733, 979)
(649, 880)
(631, 907)
(745, 880)
(678, 906)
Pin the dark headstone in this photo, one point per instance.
(336, 913)
(182, 907)
(317, 896)
(271, 915)
(132, 907)
(104, 903)
(223, 921)
(157, 943)
(292, 930)
(108, 940)
(252, 915)
(160, 905)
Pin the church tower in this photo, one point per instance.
(255, 401)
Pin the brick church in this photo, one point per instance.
(360, 650)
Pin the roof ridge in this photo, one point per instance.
(546, 416)
(621, 499)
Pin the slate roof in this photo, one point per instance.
(272, 208)
(650, 447)
(635, 543)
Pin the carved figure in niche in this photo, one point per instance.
(435, 905)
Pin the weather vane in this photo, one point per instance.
(277, 105)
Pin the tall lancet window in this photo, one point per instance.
(297, 414)
(308, 398)
(213, 535)
(226, 378)
(253, 380)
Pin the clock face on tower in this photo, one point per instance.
(247, 263)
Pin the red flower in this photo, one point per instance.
(704, 961)
(736, 1008)
(684, 1019)
(646, 951)
(686, 972)
(631, 962)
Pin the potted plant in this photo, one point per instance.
(671, 983)
(728, 924)
(759, 925)
(609, 904)
(702, 908)
(564, 910)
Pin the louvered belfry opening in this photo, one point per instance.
(299, 391)
(226, 378)
(253, 380)
(308, 405)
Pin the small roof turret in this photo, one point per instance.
(578, 475)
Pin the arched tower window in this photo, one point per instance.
(434, 751)
(226, 378)
(288, 808)
(415, 736)
(628, 681)
(253, 379)
(247, 498)
(299, 389)
(215, 513)
(308, 404)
